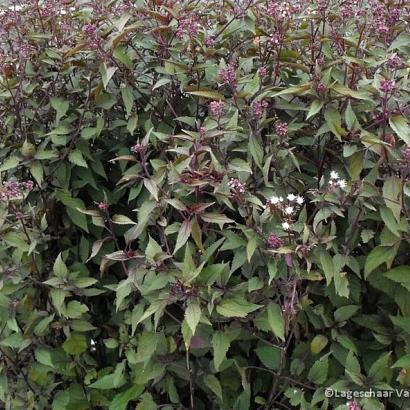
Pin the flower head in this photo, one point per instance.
(259, 108)
(236, 186)
(289, 210)
(217, 109)
(387, 86)
(103, 206)
(188, 26)
(341, 183)
(281, 128)
(137, 148)
(274, 200)
(228, 75)
(353, 405)
(334, 175)
(299, 200)
(291, 197)
(274, 242)
(406, 154)
(286, 226)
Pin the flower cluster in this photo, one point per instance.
(387, 86)
(283, 9)
(228, 75)
(90, 32)
(181, 291)
(188, 26)
(395, 62)
(15, 189)
(353, 405)
(236, 186)
(288, 209)
(406, 154)
(262, 72)
(217, 109)
(259, 108)
(336, 181)
(209, 41)
(281, 128)
(103, 206)
(274, 242)
(137, 148)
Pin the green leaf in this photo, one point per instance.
(153, 250)
(183, 234)
(403, 362)
(214, 95)
(123, 220)
(315, 107)
(9, 163)
(377, 257)
(60, 105)
(76, 157)
(75, 309)
(236, 306)
(147, 403)
(269, 356)
(251, 247)
(147, 345)
(161, 82)
(107, 73)
(220, 345)
(400, 274)
(193, 315)
(213, 383)
(390, 221)
(121, 400)
(214, 217)
(152, 187)
(318, 372)
(327, 266)
(341, 89)
(240, 165)
(345, 312)
(334, 122)
(392, 191)
(75, 344)
(36, 170)
(127, 98)
(318, 343)
(256, 150)
(401, 127)
(276, 321)
(59, 267)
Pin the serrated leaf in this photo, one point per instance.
(127, 98)
(401, 127)
(213, 383)
(236, 306)
(220, 345)
(152, 187)
(275, 320)
(193, 315)
(76, 157)
(377, 257)
(183, 234)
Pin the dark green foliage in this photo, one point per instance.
(204, 204)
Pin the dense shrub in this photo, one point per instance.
(204, 204)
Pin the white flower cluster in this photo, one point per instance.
(288, 209)
(335, 180)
